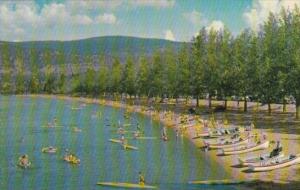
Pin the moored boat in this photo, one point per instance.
(276, 163)
(246, 148)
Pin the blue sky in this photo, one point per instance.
(177, 20)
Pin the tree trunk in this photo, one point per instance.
(284, 106)
(269, 108)
(209, 102)
(298, 108)
(197, 101)
(225, 104)
(245, 105)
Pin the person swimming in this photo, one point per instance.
(24, 161)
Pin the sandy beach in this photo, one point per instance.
(290, 142)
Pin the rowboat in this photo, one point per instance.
(246, 148)
(256, 161)
(126, 185)
(129, 147)
(230, 144)
(276, 163)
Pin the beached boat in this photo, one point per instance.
(229, 143)
(220, 132)
(276, 163)
(256, 160)
(126, 185)
(246, 148)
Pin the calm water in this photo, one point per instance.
(168, 165)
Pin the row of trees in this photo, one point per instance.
(264, 65)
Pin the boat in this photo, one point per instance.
(229, 144)
(49, 149)
(256, 160)
(126, 185)
(144, 138)
(220, 132)
(276, 163)
(77, 130)
(126, 147)
(71, 159)
(246, 148)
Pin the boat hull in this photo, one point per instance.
(273, 166)
(126, 185)
(261, 146)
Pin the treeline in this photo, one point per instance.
(263, 65)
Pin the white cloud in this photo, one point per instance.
(19, 18)
(106, 18)
(152, 3)
(169, 35)
(216, 25)
(260, 10)
(77, 6)
(194, 17)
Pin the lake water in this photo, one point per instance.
(168, 165)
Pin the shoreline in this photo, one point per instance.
(169, 119)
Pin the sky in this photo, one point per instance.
(176, 20)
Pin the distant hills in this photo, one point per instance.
(107, 45)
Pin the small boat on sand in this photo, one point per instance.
(256, 160)
(276, 163)
(246, 148)
(229, 144)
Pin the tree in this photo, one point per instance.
(269, 83)
(143, 80)
(182, 72)
(103, 76)
(129, 77)
(115, 78)
(199, 79)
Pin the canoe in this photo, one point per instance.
(276, 163)
(228, 145)
(126, 185)
(219, 182)
(115, 140)
(144, 138)
(256, 161)
(74, 161)
(246, 148)
(128, 147)
(49, 150)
